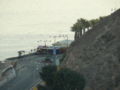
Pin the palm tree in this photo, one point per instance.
(84, 24)
(80, 26)
(77, 29)
(93, 22)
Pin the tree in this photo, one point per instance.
(67, 79)
(48, 74)
(64, 79)
(85, 24)
(80, 25)
(77, 28)
(93, 22)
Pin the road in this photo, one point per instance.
(27, 71)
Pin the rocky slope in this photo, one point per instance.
(96, 55)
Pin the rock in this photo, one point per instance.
(96, 55)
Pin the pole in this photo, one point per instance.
(67, 40)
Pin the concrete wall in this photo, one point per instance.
(7, 75)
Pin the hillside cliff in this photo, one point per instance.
(96, 55)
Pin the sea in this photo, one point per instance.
(11, 44)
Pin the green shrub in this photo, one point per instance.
(48, 73)
(64, 79)
(67, 79)
(62, 59)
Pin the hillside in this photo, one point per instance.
(96, 55)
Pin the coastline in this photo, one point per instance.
(17, 57)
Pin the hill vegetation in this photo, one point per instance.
(82, 26)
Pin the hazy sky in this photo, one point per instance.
(49, 16)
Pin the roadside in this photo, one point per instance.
(27, 72)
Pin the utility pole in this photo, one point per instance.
(56, 60)
(67, 40)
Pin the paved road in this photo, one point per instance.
(27, 73)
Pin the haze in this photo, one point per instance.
(49, 16)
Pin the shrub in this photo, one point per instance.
(67, 79)
(64, 79)
(48, 73)
(62, 59)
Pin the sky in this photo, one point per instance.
(49, 16)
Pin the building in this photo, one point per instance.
(51, 50)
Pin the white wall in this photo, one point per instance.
(8, 75)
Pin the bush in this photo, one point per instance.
(67, 79)
(64, 79)
(48, 73)
(62, 59)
